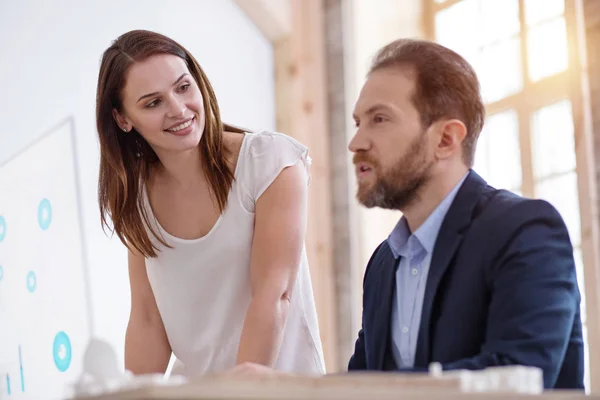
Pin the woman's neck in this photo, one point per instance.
(183, 168)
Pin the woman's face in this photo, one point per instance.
(162, 101)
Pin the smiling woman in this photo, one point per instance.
(214, 219)
(127, 91)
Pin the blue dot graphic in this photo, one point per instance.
(31, 281)
(44, 214)
(1, 272)
(2, 228)
(61, 351)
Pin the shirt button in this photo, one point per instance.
(415, 271)
(405, 330)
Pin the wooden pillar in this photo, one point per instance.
(585, 35)
(343, 263)
(301, 96)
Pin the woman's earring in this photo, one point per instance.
(138, 152)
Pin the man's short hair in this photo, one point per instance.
(446, 86)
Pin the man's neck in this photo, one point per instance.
(431, 195)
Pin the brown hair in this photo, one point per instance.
(126, 159)
(446, 86)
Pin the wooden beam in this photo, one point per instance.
(301, 97)
(272, 17)
(587, 180)
(524, 113)
(282, 57)
(428, 19)
(344, 259)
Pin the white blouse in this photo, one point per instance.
(202, 286)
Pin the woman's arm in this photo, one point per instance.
(280, 226)
(147, 348)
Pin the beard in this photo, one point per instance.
(399, 186)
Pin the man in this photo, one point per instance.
(471, 277)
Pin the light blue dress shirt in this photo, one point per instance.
(415, 251)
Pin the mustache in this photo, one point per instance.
(364, 157)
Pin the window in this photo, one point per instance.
(498, 156)
(520, 51)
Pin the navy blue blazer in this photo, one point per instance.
(501, 290)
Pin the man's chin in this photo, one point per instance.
(367, 197)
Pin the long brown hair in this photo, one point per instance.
(126, 159)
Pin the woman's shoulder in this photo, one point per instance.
(265, 142)
(258, 144)
(265, 154)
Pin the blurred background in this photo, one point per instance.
(295, 66)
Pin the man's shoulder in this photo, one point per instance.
(503, 212)
(504, 204)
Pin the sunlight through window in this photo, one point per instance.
(499, 70)
(553, 141)
(454, 33)
(499, 20)
(541, 10)
(547, 53)
(498, 155)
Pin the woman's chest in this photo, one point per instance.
(187, 216)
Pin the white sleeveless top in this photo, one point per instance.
(202, 286)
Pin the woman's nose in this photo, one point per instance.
(176, 109)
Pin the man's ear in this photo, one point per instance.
(450, 135)
(121, 120)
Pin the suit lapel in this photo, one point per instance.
(448, 241)
(386, 265)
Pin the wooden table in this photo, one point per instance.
(369, 386)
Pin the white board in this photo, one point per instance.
(44, 305)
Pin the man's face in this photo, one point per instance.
(393, 155)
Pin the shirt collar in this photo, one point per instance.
(427, 233)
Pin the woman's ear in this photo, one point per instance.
(121, 120)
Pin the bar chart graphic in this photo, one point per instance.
(21, 371)
(42, 277)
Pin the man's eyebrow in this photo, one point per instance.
(373, 109)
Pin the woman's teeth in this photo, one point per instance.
(182, 126)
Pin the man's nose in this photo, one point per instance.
(359, 142)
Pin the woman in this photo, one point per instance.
(214, 219)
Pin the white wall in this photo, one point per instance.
(49, 60)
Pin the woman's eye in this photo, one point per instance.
(184, 87)
(153, 103)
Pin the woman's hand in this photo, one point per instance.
(253, 369)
